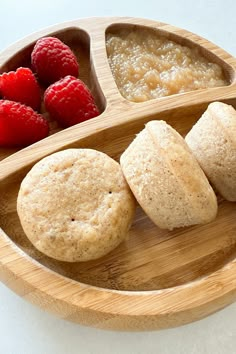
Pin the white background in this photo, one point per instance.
(25, 329)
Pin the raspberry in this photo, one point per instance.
(21, 86)
(20, 125)
(53, 60)
(69, 101)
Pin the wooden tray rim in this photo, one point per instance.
(80, 296)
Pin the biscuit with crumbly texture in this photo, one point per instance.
(166, 178)
(213, 142)
(75, 205)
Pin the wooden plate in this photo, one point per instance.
(157, 279)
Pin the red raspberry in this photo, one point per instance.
(21, 86)
(53, 60)
(69, 101)
(20, 125)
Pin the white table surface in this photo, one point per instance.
(25, 329)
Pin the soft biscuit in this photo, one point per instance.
(166, 178)
(75, 205)
(213, 142)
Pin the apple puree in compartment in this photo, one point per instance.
(146, 65)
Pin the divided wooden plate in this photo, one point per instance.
(157, 279)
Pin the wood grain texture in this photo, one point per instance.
(157, 278)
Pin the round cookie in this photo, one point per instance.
(213, 142)
(75, 205)
(166, 178)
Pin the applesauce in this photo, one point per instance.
(146, 66)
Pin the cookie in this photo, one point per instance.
(166, 179)
(213, 142)
(75, 205)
